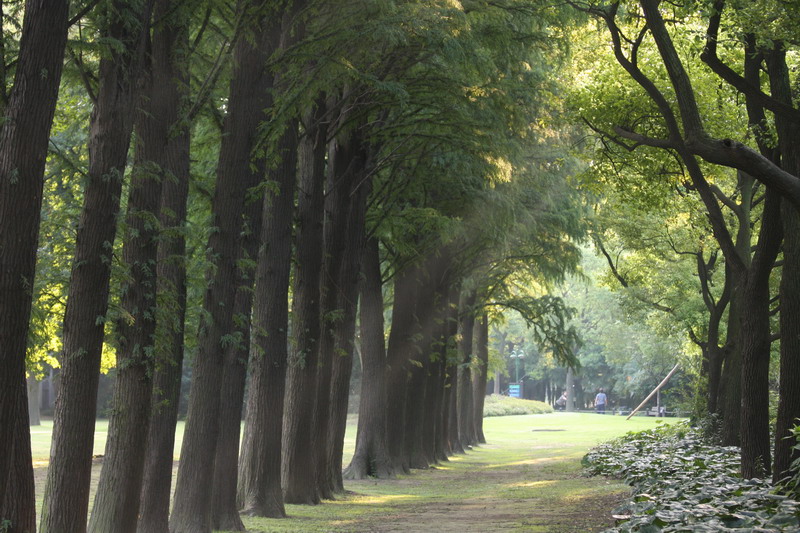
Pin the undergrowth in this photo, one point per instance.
(498, 405)
(683, 483)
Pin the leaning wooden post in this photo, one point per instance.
(663, 382)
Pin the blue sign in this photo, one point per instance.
(515, 390)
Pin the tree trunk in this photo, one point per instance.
(350, 162)
(18, 505)
(398, 350)
(419, 369)
(259, 490)
(117, 505)
(169, 91)
(570, 390)
(432, 314)
(236, 174)
(755, 345)
(298, 474)
(68, 476)
(24, 136)
(335, 230)
(502, 353)
(446, 329)
(480, 377)
(789, 399)
(224, 509)
(452, 370)
(466, 433)
(433, 437)
(34, 387)
(371, 457)
(441, 448)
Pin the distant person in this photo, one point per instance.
(600, 402)
(561, 403)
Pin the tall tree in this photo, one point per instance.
(224, 510)
(67, 488)
(371, 457)
(481, 374)
(27, 111)
(301, 404)
(238, 170)
(346, 210)
(684, 130)
(259, 490)
(465, 403)
(259, 471)
(169, 89)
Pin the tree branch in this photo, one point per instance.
(709, 57)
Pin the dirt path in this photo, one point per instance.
(539, 491)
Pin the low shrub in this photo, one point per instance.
(791, 484)
(498, 405)
(683, 483)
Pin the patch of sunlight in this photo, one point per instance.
(376, 499)
(530, 484)
(536, 461)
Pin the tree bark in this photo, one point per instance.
(445, 337)
(466, 433)
(169, 89)
(18, 505)
(399, 348)
(350, 166)
(33, 390)
(24, 135)
(117, 504)
(480, 376)
(259, 490)
(440, 444)
(434, 389)
(236, 174)
(224, 509)
(68, 476)
(298, 474)
(432, 315)
(451, 405)
(755, 345)
(419, 370)
(371, 457)
(789, 399)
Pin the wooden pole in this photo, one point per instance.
(663, 382)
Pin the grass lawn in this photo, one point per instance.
(527, 478)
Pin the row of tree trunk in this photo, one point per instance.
(422, 381)
(299, 369)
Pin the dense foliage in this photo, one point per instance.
(683, 482)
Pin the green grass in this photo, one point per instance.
(41, 438)
(529, 473)
(527, 478)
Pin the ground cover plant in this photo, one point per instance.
(683, 483)
(499, 405)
